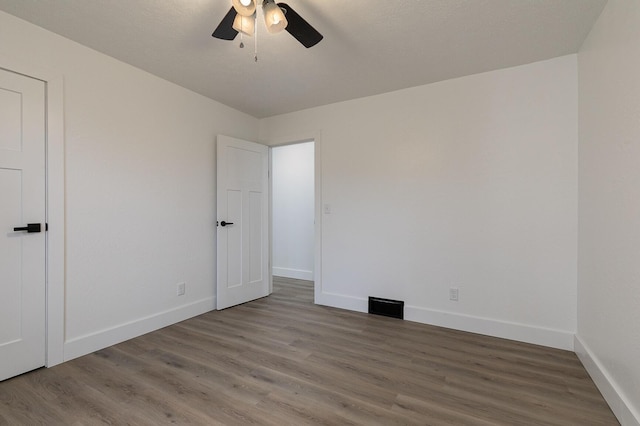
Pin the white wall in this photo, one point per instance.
(608, 339)
(139, 187)
(468, 183)
(293, 210)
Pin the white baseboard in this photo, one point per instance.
(299, 274)
(341, 301)
(559, 339)
(89, 343)
(619, 403)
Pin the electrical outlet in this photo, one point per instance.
(453, 294)
(180, 289)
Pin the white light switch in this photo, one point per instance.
(327, 209)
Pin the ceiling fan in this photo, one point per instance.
(277, 16)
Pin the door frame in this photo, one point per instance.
(316, 138)
(54, 203)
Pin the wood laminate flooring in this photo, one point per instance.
(283, 361)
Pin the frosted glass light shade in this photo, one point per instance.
(244, 7)
(274, 17)
(245, 24)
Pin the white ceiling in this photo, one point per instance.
(369, 47)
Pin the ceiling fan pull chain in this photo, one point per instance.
(255, 39)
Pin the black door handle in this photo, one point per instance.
(30, 228)
(223, 223)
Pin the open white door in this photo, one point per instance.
(22, 216)
(243, 221)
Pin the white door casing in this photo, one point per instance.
(22, 201)
(242, 200)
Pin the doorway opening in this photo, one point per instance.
(293, 198)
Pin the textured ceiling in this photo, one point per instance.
(369, 47)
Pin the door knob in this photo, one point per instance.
(30, 228)
(223, 223)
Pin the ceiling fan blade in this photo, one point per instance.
(300, 29)
(225, 29)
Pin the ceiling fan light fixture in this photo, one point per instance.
(245, 24)
(244, 7)
(274, 17)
